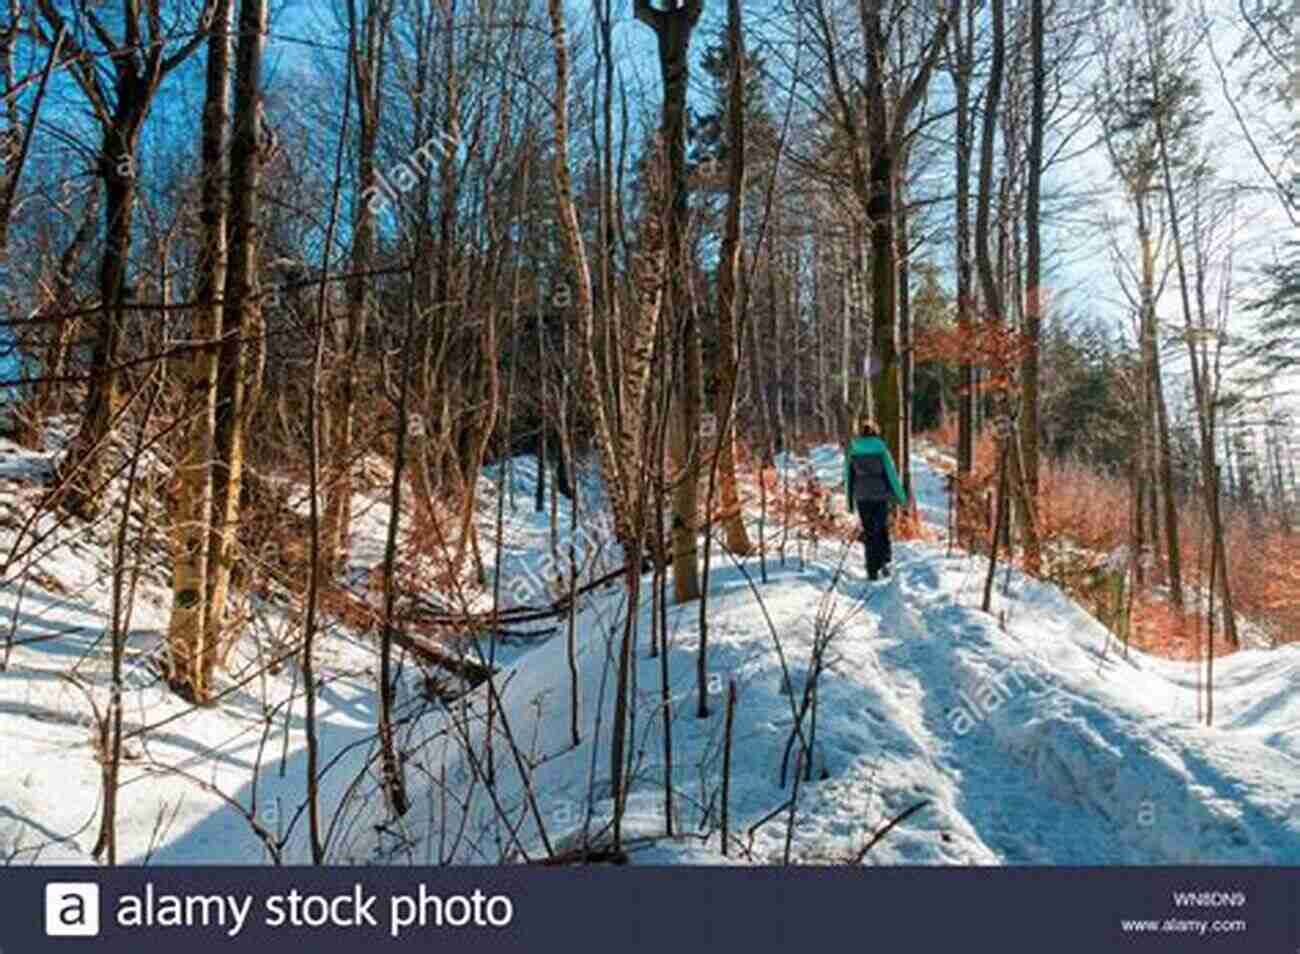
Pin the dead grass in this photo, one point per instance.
(1089, 511)
(1159, 628)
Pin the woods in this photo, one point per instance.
(294, 295)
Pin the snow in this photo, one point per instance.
(1030, 736)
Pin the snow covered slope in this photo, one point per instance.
(1028, 736)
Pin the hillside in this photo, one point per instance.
(1027, 737)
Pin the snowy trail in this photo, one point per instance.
(1058, 767)
(991, 792)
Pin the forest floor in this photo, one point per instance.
(1028, 736)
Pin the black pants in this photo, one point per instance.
(874, 515)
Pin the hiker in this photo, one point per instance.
(870, 484)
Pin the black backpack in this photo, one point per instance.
(870, 481)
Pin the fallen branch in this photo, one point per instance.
(472, 672)
(432, 615)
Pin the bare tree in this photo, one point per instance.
(673, 28)
(140, 63)
(1172, 97)
(1033, 303)
(242, 340)
(729, 273)
(962, 57)
(190, 629)
(876, 138)
(16, 136)
(367, 65)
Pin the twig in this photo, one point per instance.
(886, 829)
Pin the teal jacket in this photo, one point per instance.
(869, 472)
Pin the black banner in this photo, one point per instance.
(660, 910)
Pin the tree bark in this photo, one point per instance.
(647, 281)
(241, 318)
(187, 633)
(882, 153)
(1155, 418)
(728, 299)
(903, 257)
(673, 29)
(1033, 305)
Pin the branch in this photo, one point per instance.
(206, 19)
(647, 14)
(84, 73)
(921, 80)
(110, 46)
(1290, 202)
(11, 186)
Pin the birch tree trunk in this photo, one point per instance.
(187, 632)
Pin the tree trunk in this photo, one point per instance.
(581, 329)
(1156, 420)
(488, 395)
(963, 55)
(241, 317)
(883, 136)
(13, 130)
(983, 225)
(543, 458)
(904, 326)
(883, 152)
(367, 64)
(1204, 411)
(611, 322)
(187, 634)
(1173, 548)
(728, 299)
(88, 452)
(50, 392)
(1033, 304)
(673, 29)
